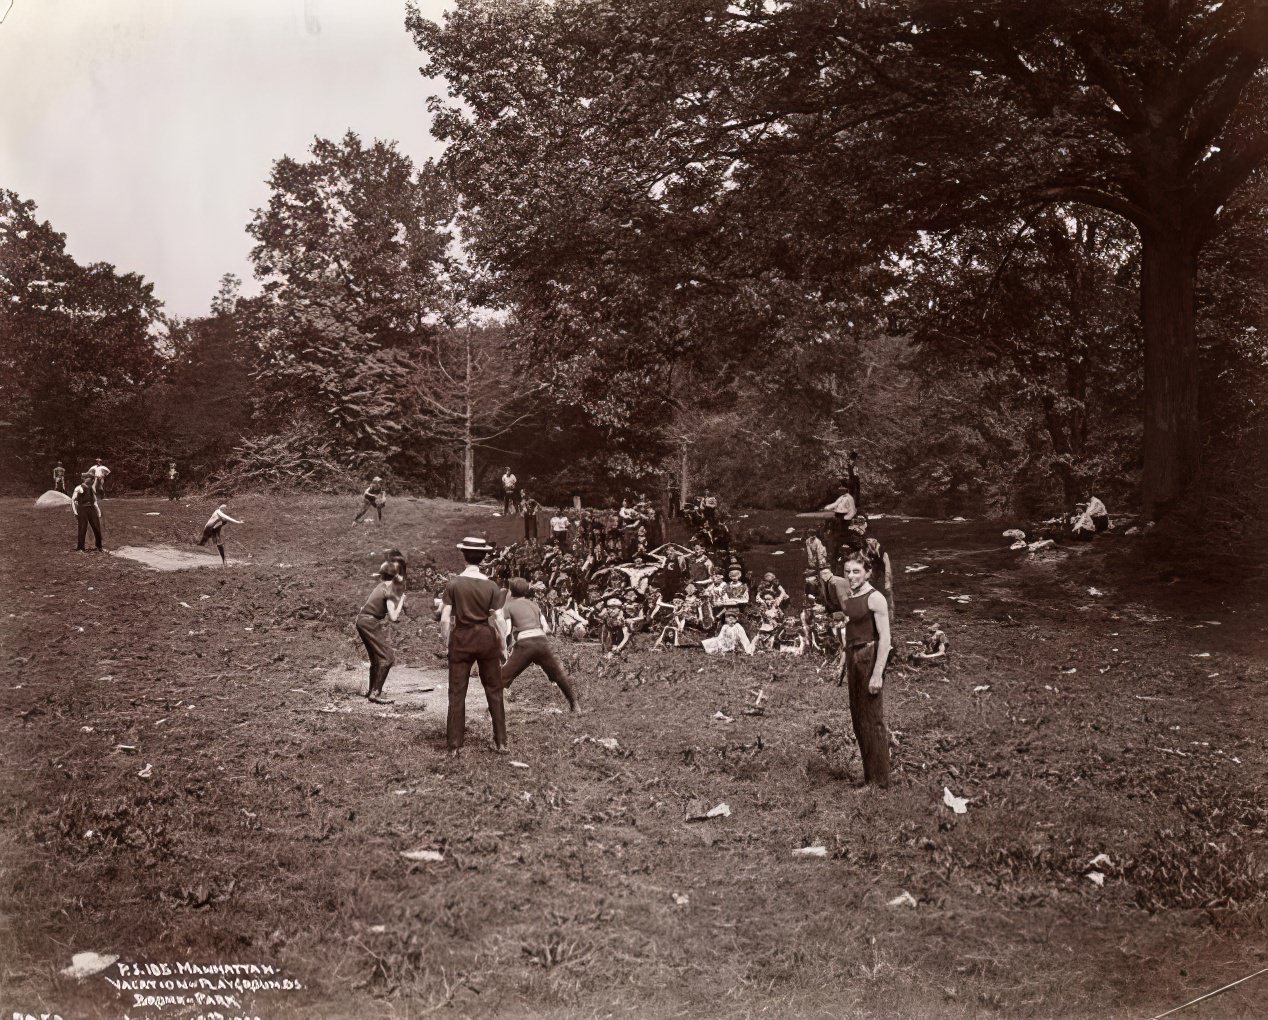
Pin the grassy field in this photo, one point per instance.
(269, 831)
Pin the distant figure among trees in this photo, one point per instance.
(173, 482)
(59, 477)
(99, 471)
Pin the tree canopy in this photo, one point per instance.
(658, 177)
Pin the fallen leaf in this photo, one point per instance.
(959, 805)
(720, 717)
(1097, 877)
(519, 765)
(84, 965)
(1201, 655)
(146, 772)
(981, 687)
(811, 851)
(903, 899)
(422, 855)
(681, 900)
(1100, 860)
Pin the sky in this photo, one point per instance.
(145, 130)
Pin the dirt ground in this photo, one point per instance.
(190, 776)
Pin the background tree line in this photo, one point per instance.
(1006, 252)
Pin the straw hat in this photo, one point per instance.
(471, 544)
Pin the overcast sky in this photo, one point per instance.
(144, 129)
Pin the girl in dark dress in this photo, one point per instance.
(867, 648)
(383, 606)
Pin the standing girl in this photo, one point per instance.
(867, 650)
(214, 530)
(384, 604)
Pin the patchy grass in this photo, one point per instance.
(269, 831)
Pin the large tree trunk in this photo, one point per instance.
(1172, 440)
(468, 464)
(684, 478)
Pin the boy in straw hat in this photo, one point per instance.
(375, 498)
(471, 607)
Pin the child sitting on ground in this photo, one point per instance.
(615, 633)
(731, 637)
(791, 637)
(934, 646)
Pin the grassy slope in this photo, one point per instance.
(270, 832)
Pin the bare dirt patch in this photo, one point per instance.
(166, 557)
(412, 690)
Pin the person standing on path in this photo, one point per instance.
(509, 502)
(384, 605)
(214, 530)
(83, 503)
(375, 498)
(532, 648)
(471, 609)
(59, 477)
(867, 649)
(529, 508)
(99, 472)
(173, 482)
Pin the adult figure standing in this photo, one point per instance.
(83, 503)
(59, 477)
(509, 482)
(471, 607)
(867, 648)
(173, 482)
(529, 630)
(384, 605)
(529, 508)
(99, 471)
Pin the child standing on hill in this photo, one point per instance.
(214, 530)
